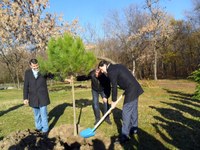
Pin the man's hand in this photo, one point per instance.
(71, 80)
(113, 104)
(26, 102)
(68, 81)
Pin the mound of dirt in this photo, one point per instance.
(59, 138)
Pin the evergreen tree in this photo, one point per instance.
(196, 77)
(66, 56)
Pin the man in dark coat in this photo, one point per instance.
(120, 76)
(36, 95)
(100, 85)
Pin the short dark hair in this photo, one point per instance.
(33, 61)
(103, 62)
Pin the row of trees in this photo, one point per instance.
(146, 39)
(150, 42)
(25, 29)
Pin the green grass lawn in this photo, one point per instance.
(168, 117)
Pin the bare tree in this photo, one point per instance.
(157, 28)
(194, 15)
(25, 27)
(122, 28)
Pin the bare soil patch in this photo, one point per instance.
(59, 138)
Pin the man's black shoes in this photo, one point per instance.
(45, 134)
(133, 130)
(122, 139)
(37, 130)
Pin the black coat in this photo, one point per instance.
(102, 83)
(120, 75)
(35, 90)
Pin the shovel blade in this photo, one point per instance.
(87, 133)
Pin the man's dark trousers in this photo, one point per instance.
(129, 116)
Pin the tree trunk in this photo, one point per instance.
(74, 106)
(11, 73)
(18, 83)
(175, 69)
(133, 71)
(155, 61)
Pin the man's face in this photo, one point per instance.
(103, 68)
(34, 67)
(97, 72)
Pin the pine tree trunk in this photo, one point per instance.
(155, 61)
(74, 107)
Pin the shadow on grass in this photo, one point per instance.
(80, 104)
(1, 137)
(177, 95)
(180, 121)
(10, 109)
(117, 116)
(140, 141)
(58, 111)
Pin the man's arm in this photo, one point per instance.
(49, 75)
(82, 78)
(113, 80)
(114, 91)
(85, 77)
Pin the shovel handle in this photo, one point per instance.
(104, 116)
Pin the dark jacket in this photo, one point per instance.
(102, 83)
(35, 90)
(120, 75)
